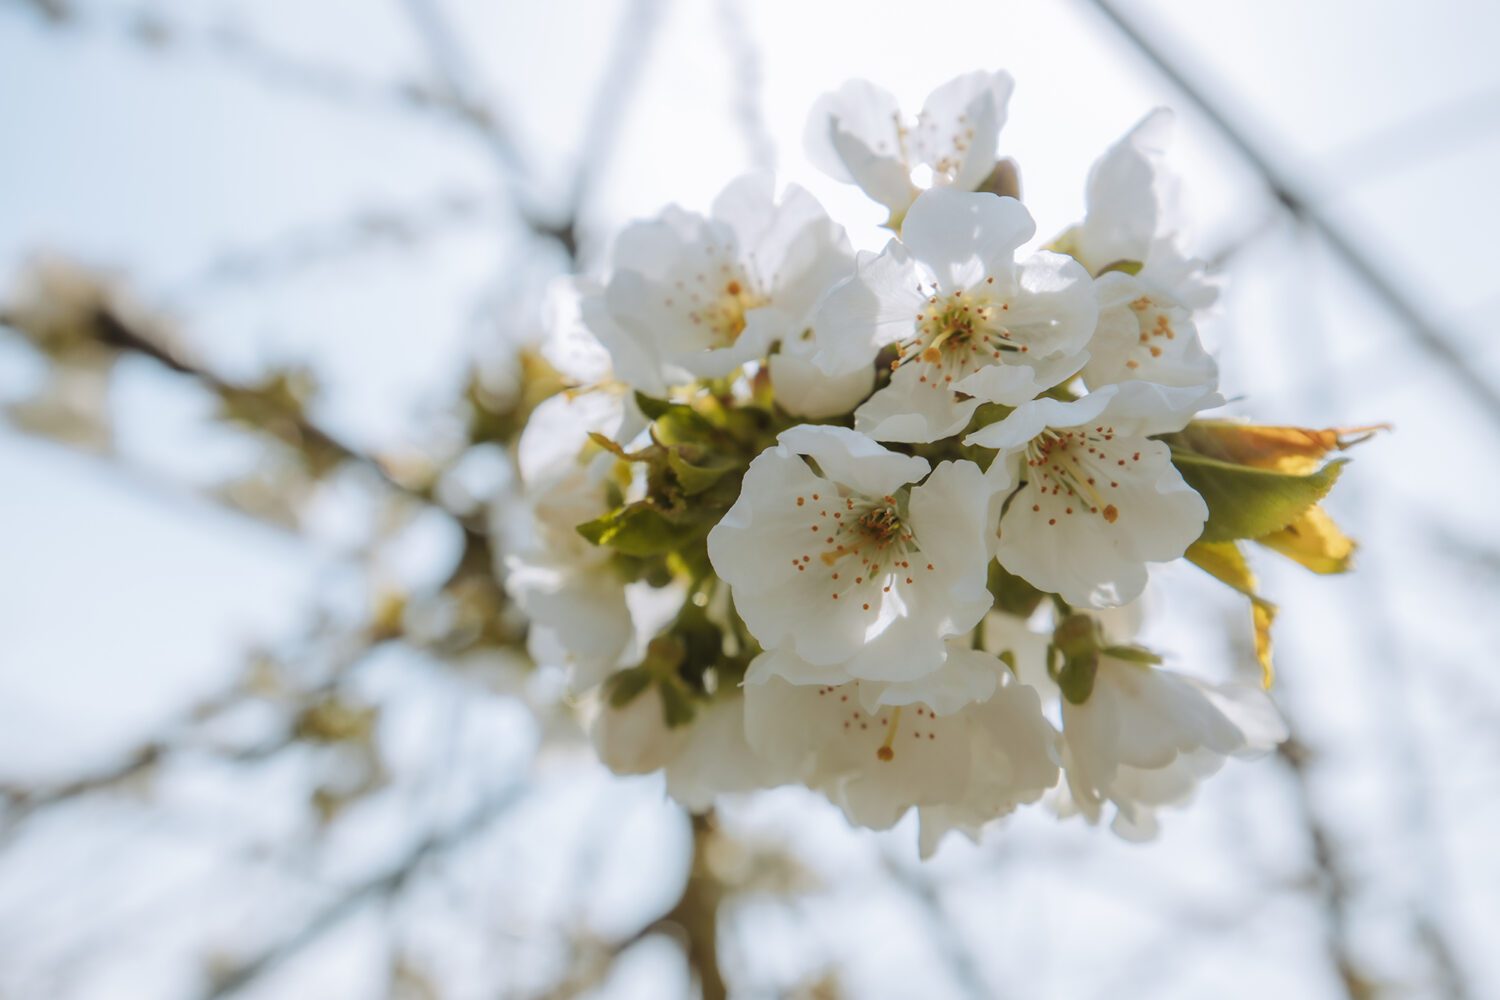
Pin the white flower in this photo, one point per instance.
(1146, 736)
(696, 297)
(967, 318)
(1146, 329)
(1144, 334)
(702, 759)
(564, 584)
(857, 135)
(981, 745)
(715, 759)
(635, 738)
(1100, 499)
(846, 562)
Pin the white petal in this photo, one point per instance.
(913, 408)
(558, 430)
(1128, 195)
(963, 237)
(715, 758)
(803, 390)
(854, 135)
(1144, 336)
(876, 306)
(1093, 549)
(1030, 419)
(570, 347)
(851, 458)
(966, 676)
(1055, 310)
(635, 739)
(959, 126)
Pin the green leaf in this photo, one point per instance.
(697, 476)
(683, 425)
(637, 530)
(652, 407)
(1246, 502)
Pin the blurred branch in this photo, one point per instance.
(348, 902)
(460, 85)
(399, 227)
(697, 912)
(946, 939)
(1434, 341)
(91, 317)
(746, 80)
(1334, 882)
(617, 87)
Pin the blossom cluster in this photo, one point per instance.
(877, 523)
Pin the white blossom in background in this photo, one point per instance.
(1100, 498)
(1146, 329)
(1146, 736)
(695, 296)
(857, 134)
(967, 318)
(852, 563)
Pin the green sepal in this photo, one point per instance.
(1133, 654)
(699, 475)
(627, 685)
(1012, 594)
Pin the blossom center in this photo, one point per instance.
(958, 334)
(1073, 469)
(863, 545)
(1155, 324)
(721, 312)
(884, 725)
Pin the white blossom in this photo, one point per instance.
(576, 602)
(1146, 329)
(967, 318)
(858, 135)
(1100, 498)
(1146, 736)
(980, 747)
(701, 759)
(695, 296)
(847, 562)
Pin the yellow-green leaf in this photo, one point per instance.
(1315, 540)
(637, 530)
(1226, 563)
(1248, 502)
